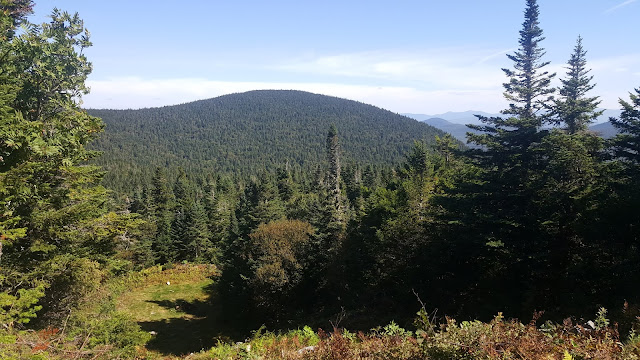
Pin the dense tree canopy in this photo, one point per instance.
(313, 206)
(241, 134)
(58, 233)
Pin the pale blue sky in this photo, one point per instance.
(406, 56)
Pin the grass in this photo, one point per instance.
(150, 303)
(186, 323)
(175, 306)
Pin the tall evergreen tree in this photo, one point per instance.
(335, 206)
(180, 223)
(574, 109)
(621, 234)
(199, 247)
(498, 209)
(506, 144)
(528, 88)
(218, 213)
(627, 144)
(260, 204)
(162, 211)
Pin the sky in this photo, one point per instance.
(422, 57)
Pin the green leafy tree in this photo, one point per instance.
(259, 204)
(276, 254)
(15, 12)
(57, 230)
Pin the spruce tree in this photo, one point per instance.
(627, 143)
(162, 245)
(260, 204)
(498, 210)
(199, 247)
(505, 151)
(218, 213)
(180, 222)
(620, 235)
(506, 145)
(574, 109)
(333, 158)
(334, 206)
(528, 92)
(528, 88)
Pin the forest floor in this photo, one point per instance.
(176, 307)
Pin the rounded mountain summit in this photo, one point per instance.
(246, 132)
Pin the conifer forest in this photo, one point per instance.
(279, 224)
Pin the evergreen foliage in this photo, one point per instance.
(627, 144)
(305, 226)
(528, 88)
(241, 134)
(59, 235)
(574, 109)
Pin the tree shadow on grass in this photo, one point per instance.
(202, 326)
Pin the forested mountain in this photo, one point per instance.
(285, 208)
(244, 132)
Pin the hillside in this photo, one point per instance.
(458, 131)
(605, 129)
(246, 132)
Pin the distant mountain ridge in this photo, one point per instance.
(455, 123)
(468, 117)
(458, 131)
(246, 132)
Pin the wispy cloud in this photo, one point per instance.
(497, 54)
(429, 81)
(451, 68)
(622, 4)
(133, 92)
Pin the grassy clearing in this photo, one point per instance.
(153, 303)
(174, 305)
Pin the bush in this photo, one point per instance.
(275, 257)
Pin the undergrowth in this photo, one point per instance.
(498, 339)
(98, 331)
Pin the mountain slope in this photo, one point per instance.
(605, 129)
(243, 133)
(458, 131)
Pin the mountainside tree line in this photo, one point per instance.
(531, 219)
(242, 134)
